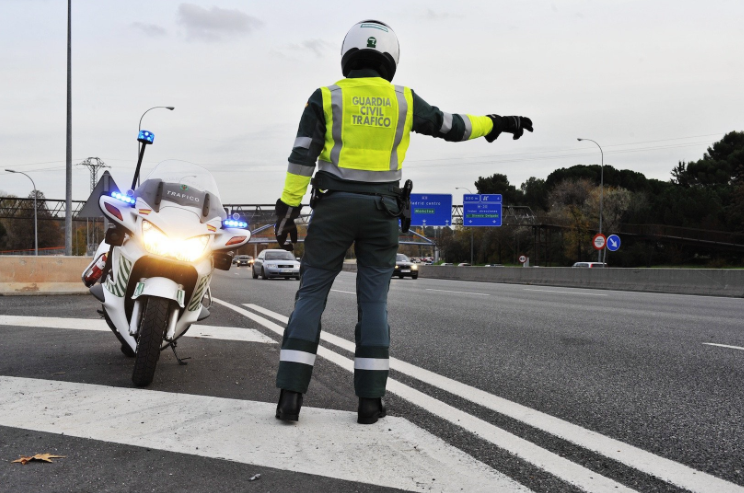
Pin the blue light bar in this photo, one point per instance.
(146, 137)
(231, 223)
(124, 198)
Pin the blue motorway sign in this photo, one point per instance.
(431, 209)
(481, 209)
(613, 243)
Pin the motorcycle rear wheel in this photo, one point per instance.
(149, 339)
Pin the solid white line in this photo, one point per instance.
(96, 324)
(394, 454)
(647, 462)
(339, 291)
(563, 292)
(724, 345)
(458, 292)
(559, 467)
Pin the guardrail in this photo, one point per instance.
(704, 282)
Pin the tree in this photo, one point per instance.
(719, 166)
(535, 193)
(498, 183)
(613, 177)
(616, 203)
(569, 201)
(21, 230)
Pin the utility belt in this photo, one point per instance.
(324, 184)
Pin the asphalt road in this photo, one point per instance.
(554, 389)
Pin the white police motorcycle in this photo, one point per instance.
(156, 263)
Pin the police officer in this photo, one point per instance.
(357, 131)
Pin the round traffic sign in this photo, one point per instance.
(613, 243)
(599, 241)
(522, 259)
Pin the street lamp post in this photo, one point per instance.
(36, 229)
(463, 223)
(139, 129)
(601, 192)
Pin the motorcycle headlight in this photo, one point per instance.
(158, 243)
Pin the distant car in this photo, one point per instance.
(590, 265)
(276, 263)
(404, 267)
(463, 264)
(493, 265)
(446, 263)
(242, 260)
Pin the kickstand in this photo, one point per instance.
(180, 361)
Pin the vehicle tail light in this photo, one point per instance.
(235, 240)
(113, 210)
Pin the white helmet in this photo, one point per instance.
(371, 44)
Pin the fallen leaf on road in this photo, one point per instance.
(42, 457)
(255, 477)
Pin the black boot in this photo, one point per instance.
(370, 410)
(289, 405)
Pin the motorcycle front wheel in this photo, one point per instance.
(149, 338)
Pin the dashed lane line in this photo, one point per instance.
(196, 330)
(458, 292)
(665, 469)
(395, 454)
(339, 291)
(556, 291)
(724, 345)
(554, 464)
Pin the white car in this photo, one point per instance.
(276, 263)
(590, 265)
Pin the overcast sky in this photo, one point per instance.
(654, 82)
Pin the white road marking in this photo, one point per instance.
(629, 455)
(458, 292)
(724, 345)
(563, 292)
(395, 454)
(554, 464)
(339, 291)
(196, 330)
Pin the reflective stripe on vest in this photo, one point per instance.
(368, 126)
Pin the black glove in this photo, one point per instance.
(285, 225)
(511, 124)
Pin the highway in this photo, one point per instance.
(493, 387)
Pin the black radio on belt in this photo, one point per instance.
(405, 206)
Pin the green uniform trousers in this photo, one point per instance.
(340, 220)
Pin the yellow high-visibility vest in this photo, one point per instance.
(368, 127)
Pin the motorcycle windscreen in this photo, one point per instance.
(185, 184)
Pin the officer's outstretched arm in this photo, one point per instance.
(453, 127)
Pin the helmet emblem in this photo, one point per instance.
(372, 42)
(184, 187)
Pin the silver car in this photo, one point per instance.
(276, 263)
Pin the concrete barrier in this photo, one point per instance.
(705, 282)
(21, 275)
